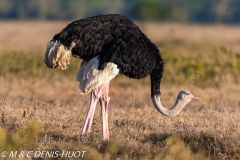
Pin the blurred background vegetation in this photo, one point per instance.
(204, 11)
(39, 107)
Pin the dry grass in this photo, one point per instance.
(205, 129)
(189, 37)
(34, 35)
(209, 126)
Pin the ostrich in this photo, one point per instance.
(110, 45)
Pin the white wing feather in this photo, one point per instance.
(90, 77)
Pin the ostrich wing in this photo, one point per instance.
(91, 77)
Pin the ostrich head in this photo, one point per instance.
(183, 98)
(57, 55)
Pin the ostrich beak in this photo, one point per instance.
(194, 97)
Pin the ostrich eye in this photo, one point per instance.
(187, 93)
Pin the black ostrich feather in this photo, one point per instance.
(115, 39)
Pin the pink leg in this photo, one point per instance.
(104, 105)
(95, 95)
(88, 121)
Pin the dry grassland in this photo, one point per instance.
(33, 35)
(37, 96)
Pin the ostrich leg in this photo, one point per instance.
(94, 97)
(104, 101)
(88, 121)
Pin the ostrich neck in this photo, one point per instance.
(156, 77)
(173, 111)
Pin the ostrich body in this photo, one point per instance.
(109, 45)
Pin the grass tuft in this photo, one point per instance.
(21, 138)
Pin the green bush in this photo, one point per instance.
(31, 65)
(20, 138)
(213, 69)
(220, 66)
(151, 10)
